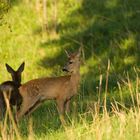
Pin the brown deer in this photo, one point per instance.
(62, 89)
(15, 98)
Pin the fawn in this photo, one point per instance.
(62, 89)
(7, 86)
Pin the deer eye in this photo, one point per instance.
(70, 62)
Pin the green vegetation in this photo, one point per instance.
(107, 30)
(4, 6)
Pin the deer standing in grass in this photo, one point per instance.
(11, 88)
(62, 89)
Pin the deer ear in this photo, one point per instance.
(21, 68)
(9, 69)
(79, 52)
(68, 55)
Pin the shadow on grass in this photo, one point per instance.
(107, 30)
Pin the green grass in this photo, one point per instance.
(107, 30)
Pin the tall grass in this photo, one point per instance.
(96, 121)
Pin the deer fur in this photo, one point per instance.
(61, 89)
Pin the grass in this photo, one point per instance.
(107, 30)
(90, 121)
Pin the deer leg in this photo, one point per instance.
(2, 110)
(24, 108)
(60, 107)
(33, 108)
(26, 105)
(67, 106)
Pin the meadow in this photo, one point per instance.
(108, 102)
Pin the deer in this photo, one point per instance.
(11, 88)
(61, 89)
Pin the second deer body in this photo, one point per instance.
(62, 89)
(11, 88)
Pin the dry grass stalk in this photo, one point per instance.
(9, 113)
(106, 86)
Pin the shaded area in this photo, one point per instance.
(107, 30)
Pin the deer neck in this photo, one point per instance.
(75, 78)
(17, 84)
